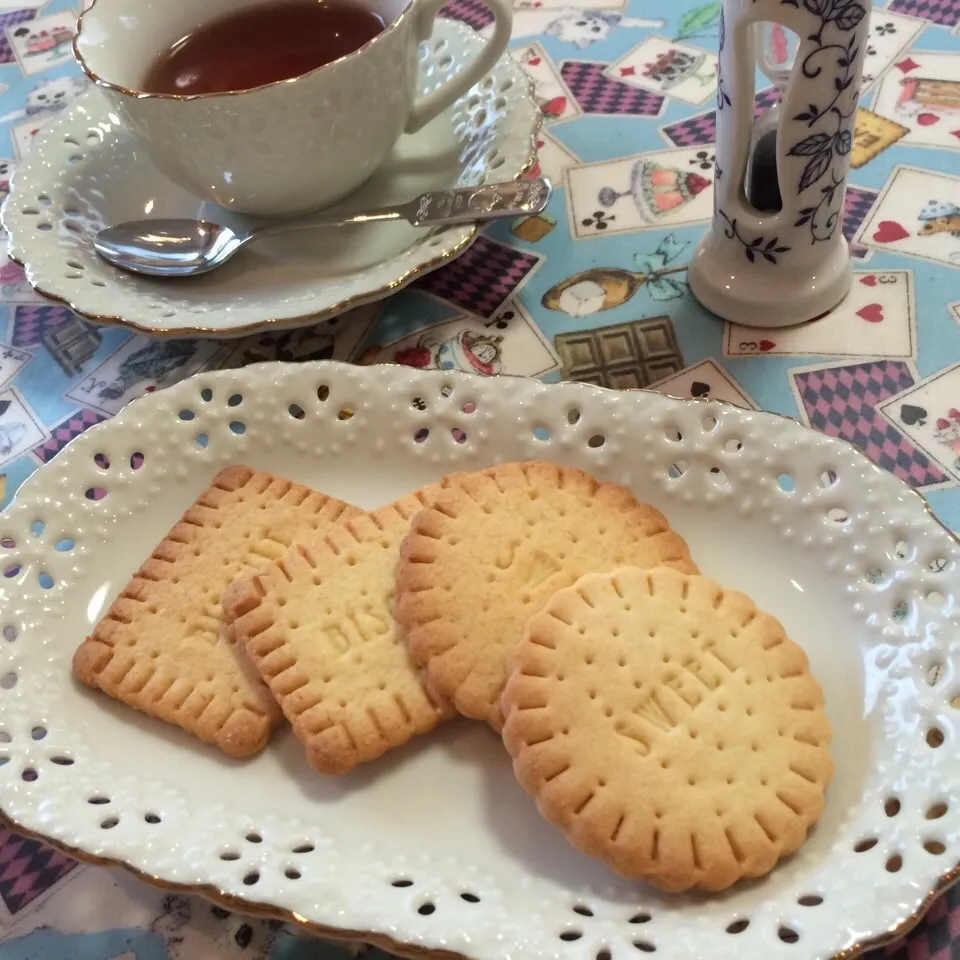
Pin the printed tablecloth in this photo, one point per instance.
(593, 290)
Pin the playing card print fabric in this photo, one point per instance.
(593, 289)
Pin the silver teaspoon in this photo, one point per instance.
(185, 248)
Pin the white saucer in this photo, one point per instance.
(85, 172)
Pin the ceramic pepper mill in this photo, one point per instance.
(775, 254)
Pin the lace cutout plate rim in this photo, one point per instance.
(470, 868)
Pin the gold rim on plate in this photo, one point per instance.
(266, 910)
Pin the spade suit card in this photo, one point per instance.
(705, 380)
(844, 399)
(929, 414)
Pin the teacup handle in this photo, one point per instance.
(426, 108)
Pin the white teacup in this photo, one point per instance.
(288, 147)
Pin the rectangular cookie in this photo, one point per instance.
(319, 627)
(163, 646)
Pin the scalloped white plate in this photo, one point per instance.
(435, 847)
(85, 172)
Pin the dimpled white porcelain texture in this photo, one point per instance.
(85, 172)
(285, 148)
(435, 846)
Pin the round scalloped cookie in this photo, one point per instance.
(668, 727)
(490, 552)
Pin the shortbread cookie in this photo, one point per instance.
(494, 547)
(668, 727)
(319, 627)
(159, 648)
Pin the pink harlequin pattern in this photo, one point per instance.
(945, 13)
(31, 321)
(64, 432)
(842, 401)
(702, 129)
(28, 869)
(599, 94)
(481, 279)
